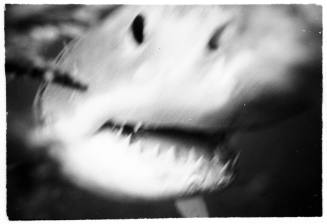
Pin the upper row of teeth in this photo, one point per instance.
(171, 153)
(136, 128)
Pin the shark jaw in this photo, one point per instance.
(134, 162)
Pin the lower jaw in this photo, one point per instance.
(113, 165)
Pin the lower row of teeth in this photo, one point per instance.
(190, 156)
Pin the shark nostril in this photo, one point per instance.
(137, 28)
(214, 41)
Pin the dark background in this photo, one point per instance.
(280, 170)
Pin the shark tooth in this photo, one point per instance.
(191, 156)
(199, 161)
(120, 131)
(182, 155)
(235, 160)
(215, 159)
(170, 154)
(223, 170)
(128, 138)
(150, 153)
(156, 150)
(126, 141)
(220, 181)
(137, 126)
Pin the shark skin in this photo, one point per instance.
(167, 86)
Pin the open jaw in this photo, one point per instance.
(137, 162)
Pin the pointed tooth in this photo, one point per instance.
(170, 154)
(199, 161)
(235, 160)
(137, 126)
(120, 131)
(220, 181)
(128, 138)
(182, 155)
(152, 152)
(192, 155)
(125, 141)
(156, 149)
(172, 149)
(225, 167)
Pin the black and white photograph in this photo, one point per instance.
(141, 111)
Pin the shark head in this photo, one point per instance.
(167, 85)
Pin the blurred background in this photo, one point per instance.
(280, 170)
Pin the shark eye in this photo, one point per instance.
(213, 43)
(137, 29)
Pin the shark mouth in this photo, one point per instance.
(140, 161)
(165, 162)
